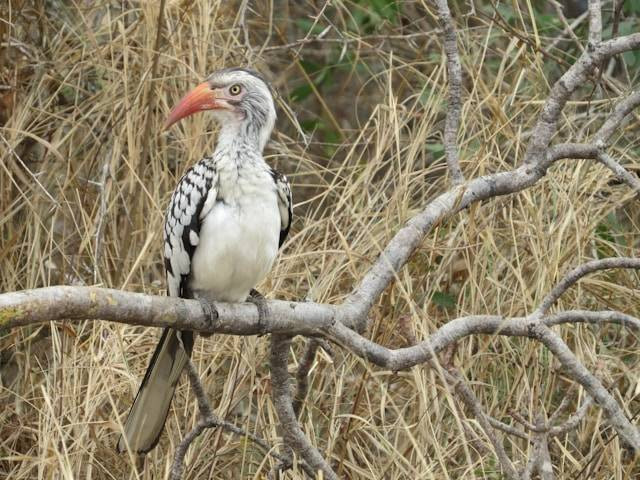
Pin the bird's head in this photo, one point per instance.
(239, 98)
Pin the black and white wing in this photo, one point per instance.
(285, 204)
(191, 201)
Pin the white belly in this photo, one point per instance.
(236, 249)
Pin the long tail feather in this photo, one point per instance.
(151, 406)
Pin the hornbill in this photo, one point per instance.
(227, 218)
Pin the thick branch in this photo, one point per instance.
(541, 452)
(408, 238)
(304, 318)
(92, 303)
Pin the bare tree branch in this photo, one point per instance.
(294, 437)
(579, 373)
(209, 420)
(572, 422)
(595, 23)
(620, 112)
(568, 28)
(619, 171)
(495, 423)
(454, 103)
(408, 238)
(468, 397)
(565, 86)
(541, 451)
(577, 273)
(595, 152)
(595, 318)
(532, 427)
(87, 303)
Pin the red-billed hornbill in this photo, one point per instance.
(226, 220)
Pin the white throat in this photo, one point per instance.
(238, 133)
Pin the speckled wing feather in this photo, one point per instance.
(191, 201)
(285, 204)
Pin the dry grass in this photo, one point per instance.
(86, 172)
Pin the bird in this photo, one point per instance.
(226, 220)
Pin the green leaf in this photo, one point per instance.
(437, 149)
(300, 93)
(387, 9)
(443, 300)
(631, 59)
(424, 95)
(307, 26)
(310, 125)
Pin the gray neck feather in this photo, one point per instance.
(251, 133)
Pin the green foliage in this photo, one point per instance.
(370, 15)
(443, 300)
(436, 149)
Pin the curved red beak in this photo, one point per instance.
(199, 99)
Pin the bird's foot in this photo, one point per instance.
(260, 302)
(211, 315)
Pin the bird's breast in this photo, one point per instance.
(237, 246)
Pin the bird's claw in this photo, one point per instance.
(260, 302)
(211, 315)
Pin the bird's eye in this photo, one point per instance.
(235, 89)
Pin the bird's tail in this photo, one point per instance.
(151, 405)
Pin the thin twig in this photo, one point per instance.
(572, 422)
(495, 423)
(622, 173)
(579, 373)
(568, 28)
(207, 419)
(577, 273)
(620, 112)
(472, 403)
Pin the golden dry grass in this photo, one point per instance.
(86, 173)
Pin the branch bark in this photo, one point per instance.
(467, 396)
(293, 435)
(341, 323)
(454, 103)
(577, 273)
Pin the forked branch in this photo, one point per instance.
(342, 323)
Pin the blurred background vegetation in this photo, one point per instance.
(86, 172)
